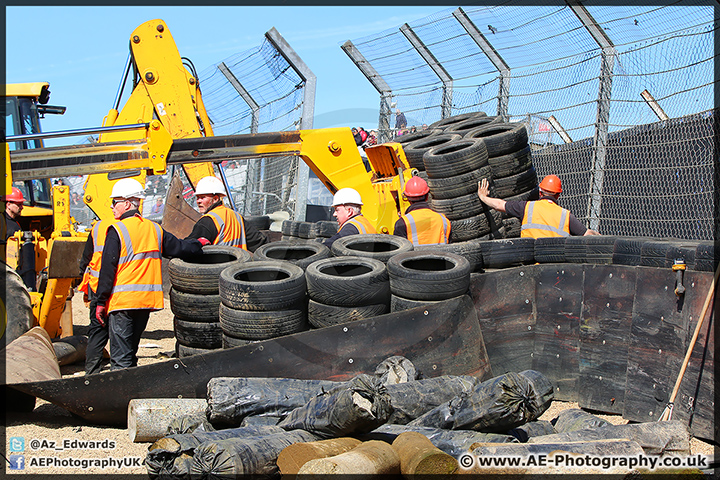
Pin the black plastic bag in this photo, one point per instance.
(412, 399)
(395, 370)
(189, 423)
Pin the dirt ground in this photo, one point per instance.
(52, 426)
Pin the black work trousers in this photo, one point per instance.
(126, 327)
(97, 339)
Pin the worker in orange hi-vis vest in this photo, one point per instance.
(420, 224)
(542, 217)
(219, 224)
(347, 206)
(130, 280)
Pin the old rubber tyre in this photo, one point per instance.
(446, 123)
(705, 260)
(301, 254)
(398, 304)
(261, 222)
(325, 228)
(530, 195)
(501, 138)
(185, 351)
(456, 208)
(599, 248)
(415, 150)
(576, 250)
(194, 307)
(305, 229)
(653, 253)
(275, 285)
(476, 226)
(471, 250)
(321, 315)
(261, 325)
(424, 275)
(508, 252)
(230, 341)
(516, 184)
(550, 250)
(464, 184)
(198, 334)
(200, 273)
(290, 228)
(474, 122)
(17, 307)
(683, 249)
(511, 164)
(348, 281)
(455, 158)
(376, 245)
(513, 227)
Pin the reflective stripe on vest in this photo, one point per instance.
(138, 281)
(426, 227)
(230, 226)
(545, 218)
(99, 233)
(362, 224)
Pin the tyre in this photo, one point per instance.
(261, 222)
(199, 274)
(600, 249)
(415, 160)
(464, 184)
(261, 325)
(508, 252)
(476, 226)
(456, 208)
(301, 253)
(198, 334)
(516, 184)
(625, 259)
(325, 228)
(501, 138)
(530, 195)
(510, 164)
(550, 250)
(376, 245)
(194, 307)
(305, 229)
(426, 275)
(185, 351)
(17, 307)
(290, 228)
(513, 227)
(398, 304)
(455, 158)
(705, 260)
(471, 250)
(262, 286)
(348, 281)
(446, 123)
(576, 250)
(627, 250)
(652, 253)
(465, 126)
(415, 150)
(321, 315)
(230, 342)
(684, 251)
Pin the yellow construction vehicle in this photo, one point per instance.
(164, 123)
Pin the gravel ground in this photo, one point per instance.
(52, 426)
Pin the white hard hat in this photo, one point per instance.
(345, 196)
(127, 188)
(210, 186)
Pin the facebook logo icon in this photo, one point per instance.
(17, 444)
(17, 462)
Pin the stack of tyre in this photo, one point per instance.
(261, 300)
(420, 277)
(195, 299)
(347, 288)
(316, 231)
(510, 161)
(300, 252)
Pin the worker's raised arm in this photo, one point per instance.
(484, 190)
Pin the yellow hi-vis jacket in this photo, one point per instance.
(138, 281)
(361, 223)
(545, 218)
(230, 227)
(92, 272)
(426, 227)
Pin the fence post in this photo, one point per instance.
(603, 109)
(306, 118)
(380, 85)
(493, 56)
(443, 75)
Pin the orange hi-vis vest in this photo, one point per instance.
(545, 218)
(138, 282)
(361, 223)
(92, 272)
(426, 227)
(230, 227)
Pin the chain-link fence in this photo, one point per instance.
(618, 100)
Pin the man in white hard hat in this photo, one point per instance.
(219, 224)
(130, 280)
(347, 206)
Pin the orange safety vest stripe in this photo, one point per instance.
(138, 282)
(362, 224)
(426, 227)
(230, 226)
(545, 218)
(92, 272)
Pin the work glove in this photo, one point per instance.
(203, 241)
(101, 314)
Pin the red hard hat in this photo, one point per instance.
(416, 187)
(15, 196)
(552, 184)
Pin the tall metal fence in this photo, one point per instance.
(618, 100)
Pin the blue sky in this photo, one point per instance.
(82, 50)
